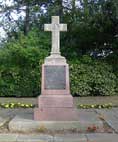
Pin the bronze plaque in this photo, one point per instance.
(55, 77)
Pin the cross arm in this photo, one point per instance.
(63, 27)
(47, 27)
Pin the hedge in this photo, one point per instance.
(92, 78)
(20, 74)
(20, 70)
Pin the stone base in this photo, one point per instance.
(55, 103)
(55, 59)
(49, 101)
(55, 108)
(24, 123)
(56, 114)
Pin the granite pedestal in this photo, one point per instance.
(55, 102)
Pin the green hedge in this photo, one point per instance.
(20, 66)
(91, 77)
(20, 70)
(20, 74)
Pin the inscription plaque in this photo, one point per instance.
(55, 77)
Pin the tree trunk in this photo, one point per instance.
(27, 19)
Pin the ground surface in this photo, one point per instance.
(107, 117)
(80, 100)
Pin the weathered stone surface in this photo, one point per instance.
(89, 118)
(55, 59)
(27, 125)
(96, 137)
(35, 138)
(111, 117)
(10, 113)
(49, 101)
(3, 121)
(8, 137)
(88, 115)
(102, 137)
(70, 138)
(55, 28)
(56, 114)
(108, 114)
(18, 124)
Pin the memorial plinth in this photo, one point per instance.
(55, 102)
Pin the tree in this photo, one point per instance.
(92, 24)
(22, 14)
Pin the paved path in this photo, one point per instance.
(59, 138)
(109, 116)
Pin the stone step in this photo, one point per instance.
(19, 124)
(107, 137)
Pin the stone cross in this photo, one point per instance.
(55, 27)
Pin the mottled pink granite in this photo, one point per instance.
(55, 105)
(56, 114)
(46, 101)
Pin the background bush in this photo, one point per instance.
(20, 73)
(91, 77)
(20, 69)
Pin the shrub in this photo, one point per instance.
(20, 68)
(91, 77)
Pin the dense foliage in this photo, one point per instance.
(91, 77)
(20, 66)
(92, 30)
(20, 70)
